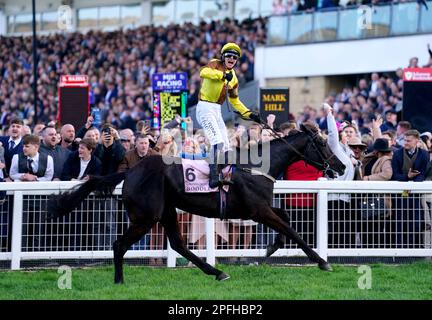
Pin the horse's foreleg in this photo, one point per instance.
(272, 220)
(133, 234)
(169, 221)
(280, 238)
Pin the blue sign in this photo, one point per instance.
(170, 81)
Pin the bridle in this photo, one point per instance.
(325, 161)
(313, 139)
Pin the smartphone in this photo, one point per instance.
(107, 131)
(147, 123)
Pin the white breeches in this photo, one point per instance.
(209, 117)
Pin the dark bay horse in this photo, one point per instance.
(152, 191)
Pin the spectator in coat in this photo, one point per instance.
(132, 157)
(79, 166)
(50, 147)
(110, 151)
(378, 167)
(67, 134)
(82, 163)
(339, 210)
(391, 121)
(409, 164)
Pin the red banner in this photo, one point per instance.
(417, 74)
(74, 80)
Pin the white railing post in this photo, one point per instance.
(322, 224)
(17, 219)
(172, 257)
(210, 242)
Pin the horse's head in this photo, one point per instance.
(318, 154)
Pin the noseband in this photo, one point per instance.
(325, 165)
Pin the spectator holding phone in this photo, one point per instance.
(110, 151)
(409, 164)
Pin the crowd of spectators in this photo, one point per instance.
(119, 64)
(359, 105)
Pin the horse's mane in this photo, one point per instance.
(275, 141)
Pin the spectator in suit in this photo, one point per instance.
(111, 93)
(12, 143)
(409, 164)
(49, 146)
(5, 212)
(30, 165)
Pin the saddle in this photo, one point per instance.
(196, 176)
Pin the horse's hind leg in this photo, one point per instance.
(169, 221)
(133, 234)
(272, 220)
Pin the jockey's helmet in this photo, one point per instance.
(231, 48)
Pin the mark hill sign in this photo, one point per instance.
(275, 101)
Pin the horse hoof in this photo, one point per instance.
(326, 267)
(271, 249)
(118, 281)
(222, 277)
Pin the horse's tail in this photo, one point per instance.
(63, 203)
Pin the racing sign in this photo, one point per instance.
(275, 101)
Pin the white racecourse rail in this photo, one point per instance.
(330, 216)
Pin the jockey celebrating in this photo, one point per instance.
(218, 81)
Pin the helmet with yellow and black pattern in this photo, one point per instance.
(231, 48)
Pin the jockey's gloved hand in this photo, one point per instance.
(228, 76)
(254, 116)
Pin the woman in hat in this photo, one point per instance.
(379, 168)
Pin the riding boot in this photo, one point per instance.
(215, 176)
(214, 181)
